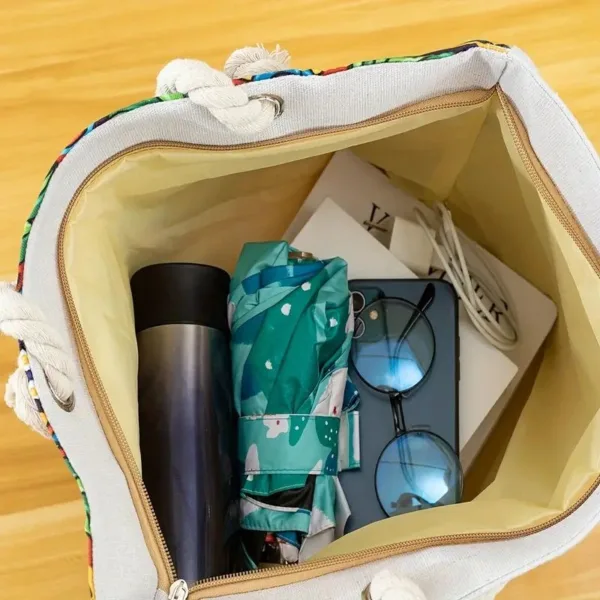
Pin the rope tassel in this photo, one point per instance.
(256, 60)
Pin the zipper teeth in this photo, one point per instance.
(74, 317)
(382, 552)
(363, 555)
(394, 549)
(106, 406)
(562, 212)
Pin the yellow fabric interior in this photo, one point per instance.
(163, 204)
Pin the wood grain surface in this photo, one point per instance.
(64, 63)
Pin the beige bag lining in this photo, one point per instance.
(164, 204)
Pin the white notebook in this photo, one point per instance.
(366, 195)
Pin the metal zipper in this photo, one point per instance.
(538, 174)
(279, 575)
(111, 426)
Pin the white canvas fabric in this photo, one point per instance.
(123, 569)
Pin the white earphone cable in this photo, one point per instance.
(500, 332)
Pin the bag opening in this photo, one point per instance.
(163, 202)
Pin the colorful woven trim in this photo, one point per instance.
(61, 157)
(26, 366)
(437, 54)
(23, 357)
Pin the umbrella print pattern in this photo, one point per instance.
(291, 330)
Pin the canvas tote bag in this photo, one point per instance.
(215, 159)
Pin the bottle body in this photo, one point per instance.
(187, 437)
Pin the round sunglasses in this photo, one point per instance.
(392, 352)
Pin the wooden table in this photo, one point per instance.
(67, 62)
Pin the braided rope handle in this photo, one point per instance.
(216, 91)
(24, 321)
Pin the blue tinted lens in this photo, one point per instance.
(417, 470)
(396, 348)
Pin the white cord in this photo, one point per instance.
(501, 333)
(22, 320)
(215, 91)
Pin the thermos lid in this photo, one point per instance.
(180, 293)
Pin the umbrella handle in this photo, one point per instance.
(300, 255)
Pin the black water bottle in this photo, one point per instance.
(187, 421)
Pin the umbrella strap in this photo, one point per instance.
(292, 444)
(349, 441)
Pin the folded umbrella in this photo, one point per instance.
(291, 330)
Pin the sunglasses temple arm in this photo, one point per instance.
(388, 341)
(399, 423)
(425, 301)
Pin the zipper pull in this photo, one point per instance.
(178, 590)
